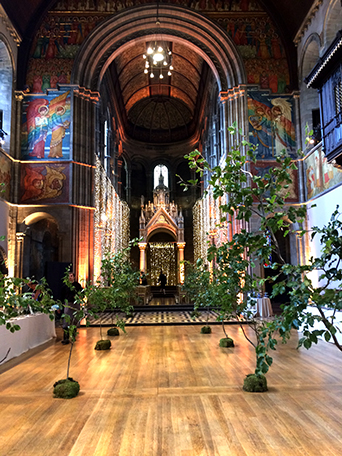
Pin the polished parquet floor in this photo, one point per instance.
(171, 391)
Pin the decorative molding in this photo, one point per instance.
(11, 30)
(307, 21)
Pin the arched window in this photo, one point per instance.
(160, 170)
(6, 81)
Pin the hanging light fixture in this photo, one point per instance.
(158, 57)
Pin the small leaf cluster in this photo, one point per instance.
(14, 302)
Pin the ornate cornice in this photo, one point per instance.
(307, 21)
(11, 30)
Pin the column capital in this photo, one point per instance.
(142, 245)
(181, 245)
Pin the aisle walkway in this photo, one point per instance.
(171, 391)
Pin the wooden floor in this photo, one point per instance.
(165, 391)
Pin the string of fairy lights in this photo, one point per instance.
(163, 257)
(111, 219)
(207, 224)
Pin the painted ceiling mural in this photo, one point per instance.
(65, 28)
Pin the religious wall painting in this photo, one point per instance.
(313, 174)
(5, 176)
(46, 127)
(320, 175)
(271, 125)
(65, 28)
(111, 6)
(261, 50)
(54, 49)
(261, 168)
(44, 183)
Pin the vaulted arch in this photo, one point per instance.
(177, 24)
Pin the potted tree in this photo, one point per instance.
(14, 302)
(198, 287)
(119, 281)
(67, 387)
(263, 199)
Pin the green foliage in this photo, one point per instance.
(198, 285)
(325, 298)
(14, 302)
(259, 203)
(119, 280)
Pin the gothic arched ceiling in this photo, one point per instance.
(157, 109)
(26, 17)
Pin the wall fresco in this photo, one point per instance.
(46, 127)
(262, 167)
(66, 27)
(261, 50)
(320, 175)
(271, 124)
(44, 183)
(5, 176)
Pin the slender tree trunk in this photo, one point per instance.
(71, 347)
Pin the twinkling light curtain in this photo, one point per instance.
(162, 256)
(207, 224)
(111, 219)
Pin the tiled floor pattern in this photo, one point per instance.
(156, 317)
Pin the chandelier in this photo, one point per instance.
(158, 60)
(158, 57)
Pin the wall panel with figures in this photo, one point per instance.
(46, 126)
(271, 121)
(320, 175)
(68, 24)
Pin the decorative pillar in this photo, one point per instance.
(181, 246)
(19, 254)
(142, 248)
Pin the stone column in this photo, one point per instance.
(20, 236)
(142, 248)
(181, 246)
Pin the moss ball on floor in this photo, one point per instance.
(103, 345)
(255, 383)
(113, 332)
(206, 330)
(66, 388)
(226, 342)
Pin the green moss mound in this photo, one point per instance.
(66, 388)
(206, 330)
(103, 345)
(226, 342)
(255, 383)
(113, 332)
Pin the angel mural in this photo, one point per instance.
(59, 122)
(271, 126)
(44, 182)
(44, 129)
(37, 127)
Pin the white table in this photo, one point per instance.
(264, 308)
(34, 330)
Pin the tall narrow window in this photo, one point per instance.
(161, 170)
